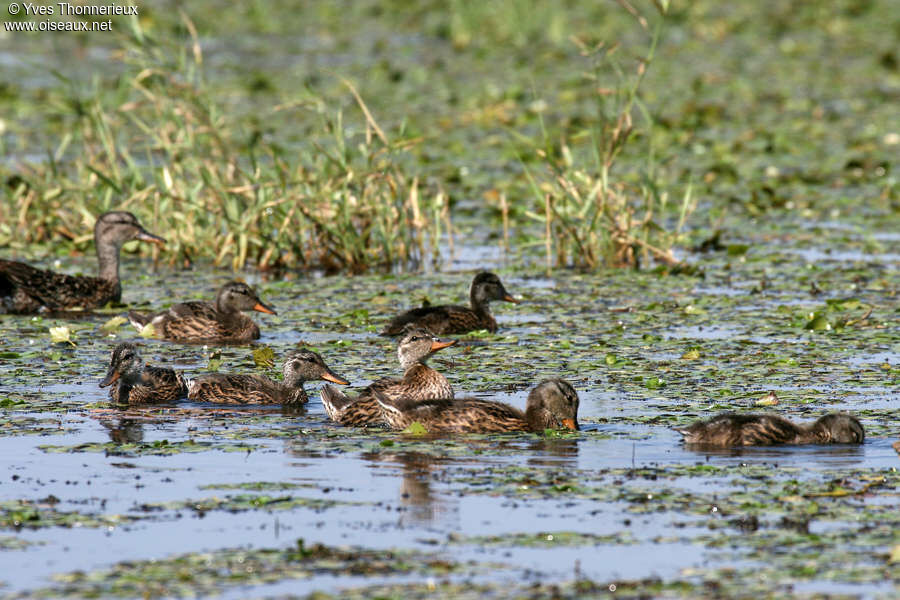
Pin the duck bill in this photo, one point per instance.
(264, 309)
(438, 344)
(570, 424)
(508, 297)
(329, 376)
(111, 378)
(146, 236)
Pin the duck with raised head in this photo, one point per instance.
(204, 322)
(755, 429)
(25, 289)
(419, 381)
(137, 383)
(450, 319)
(299, 367)
(552, 404)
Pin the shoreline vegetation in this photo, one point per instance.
(618, 144)
(168, 149)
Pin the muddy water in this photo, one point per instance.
(85, 486)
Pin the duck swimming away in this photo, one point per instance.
(204, 322)
(552, 404)
(451, 319)
(732, 429)
(25, 289)
(419, 381)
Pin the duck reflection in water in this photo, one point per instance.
(124, 431)
(423, 506)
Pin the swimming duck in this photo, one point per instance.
(731, 429)
(201, 322)
(300, 367)
(419, 382)
(25, 289)
(552, 404)
(136, 383)
(442, 320)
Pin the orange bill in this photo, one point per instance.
(438, 344)
(334, 378)
(570, 424)
(509, 298)
(264, 309)
(110, 379)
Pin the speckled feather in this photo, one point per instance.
(732, 429)
(201, 322)
(452, 319)
(299, 367)
(552, 404)
(25, 289)
(159, 385)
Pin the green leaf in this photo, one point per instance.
(264, 357)
(113, 324)
(61, 335)
(416, 428)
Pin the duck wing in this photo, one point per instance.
(26, 289)
(439, 320)
(223, 388)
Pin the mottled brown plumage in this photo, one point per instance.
(419, 381)
(300, 367)
(552, 404)
(204, 322)
(731, 429)
(25, 289)
(136, 383)
(443, 320)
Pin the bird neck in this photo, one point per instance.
(107, 259)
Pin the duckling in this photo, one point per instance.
(731, 429)
(136, 383)
(25, 289)
(442, 320)
(203, 322)
(298, 368)
(552, 404)
(419, 382)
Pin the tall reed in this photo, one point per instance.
(591, 216)
(165, 148)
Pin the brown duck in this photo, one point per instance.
(419, 382)
(201, 322)
(732, 429)
(552, 404)
(136, 383)
(442, 320)
(300, 367)
(25, 289)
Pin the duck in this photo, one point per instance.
(450, 319)
(552, 404)
(419, 382)
(756, 429)
(27, 290)
(203, 322)
(137, 383)
(299, 367)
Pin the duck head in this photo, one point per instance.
(552, 404)
(306, 365)
(417, 344)
(125, 364)
(237, 296)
